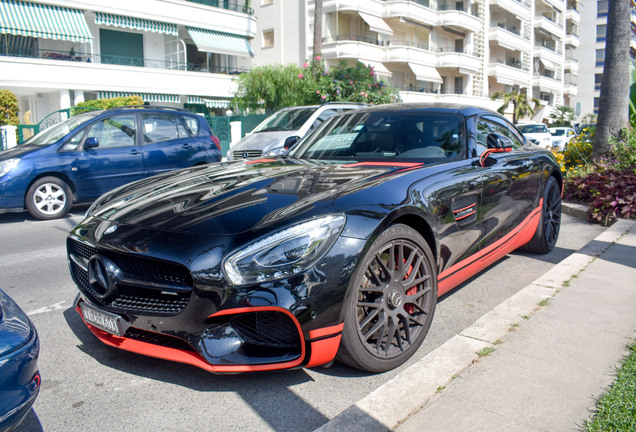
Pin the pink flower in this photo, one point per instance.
(317, 91)
(361, 93)
(318, 58)
(323, 97)
(305, 65)
(350, 82)
(301, 76)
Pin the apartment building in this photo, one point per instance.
(56, 53)
(591, 54)
(437, 50)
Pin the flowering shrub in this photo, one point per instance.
(577, 156)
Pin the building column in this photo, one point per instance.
(65, 99)
(79, 97)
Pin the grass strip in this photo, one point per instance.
(616, 409)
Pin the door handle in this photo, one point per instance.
(134, 152)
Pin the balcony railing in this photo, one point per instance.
(549, 46)
(517, 64)
(511, 29)
(351, 38)
(420, 45)
(117, 60)
(238, 6)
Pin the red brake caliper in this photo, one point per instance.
(409, 308)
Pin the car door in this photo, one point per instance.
(169, 143)
(510, 182)
(110, 155)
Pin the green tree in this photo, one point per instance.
(613, 109)
(274, 87)
(562, 116)
(111, 102)
(520, 104)
(8, 108)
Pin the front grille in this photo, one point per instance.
(269, 329)
(169, 290)
(158, 339)
(242, 154)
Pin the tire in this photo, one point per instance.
(48, 198)
(547, 233)
(391, 301)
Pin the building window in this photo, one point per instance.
(601, 32)
(122, 48)
(602, 6)
(600, 57)
(596, 104)
(597, 81)
(268, 38)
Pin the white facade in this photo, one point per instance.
(443, 50)
(171, 67)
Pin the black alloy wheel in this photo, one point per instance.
(547, 232)
(391, 303)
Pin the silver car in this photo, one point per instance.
(284, 128)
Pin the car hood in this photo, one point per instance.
(15, 328)
(264, 141)
(17, 152)
(235, 197)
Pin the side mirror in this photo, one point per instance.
(289, 142)
(498, 142)
(91, 143)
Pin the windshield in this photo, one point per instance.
(533, 128)
(557, 132)
(286, 120)
(60, 130)
(386, 135)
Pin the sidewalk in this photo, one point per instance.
(553, 350)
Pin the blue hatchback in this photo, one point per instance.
(19, 351)
(87, 155)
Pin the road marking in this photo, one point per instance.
(24, 257)
(46, 309)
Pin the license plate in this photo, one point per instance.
(106, 321)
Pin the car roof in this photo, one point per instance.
(466, 110)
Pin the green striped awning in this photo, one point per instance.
(147, 97)
(220, 43)
(210, 103)
(135, 23)
(43, 21)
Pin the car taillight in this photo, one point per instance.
(216, 142)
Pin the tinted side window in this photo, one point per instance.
(487, 126)
(190, 125)
(158, 127)
(115, 131)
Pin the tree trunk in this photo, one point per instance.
(613, 109)
(317, 28)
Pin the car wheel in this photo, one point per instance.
(547, 233)
(48, 198)
(392, 299)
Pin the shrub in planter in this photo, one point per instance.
(8, 108)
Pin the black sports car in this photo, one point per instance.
(338, 249)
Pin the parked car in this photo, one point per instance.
(79, 159)
(538, 132)
(278, 132)
(19, 375)
(339, 249)
(561, 136)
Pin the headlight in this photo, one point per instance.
(284, 253)
(8, 165)
(274, 152)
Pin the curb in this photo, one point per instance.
(576, 210)
(387, 407)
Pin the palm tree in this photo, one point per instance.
(613, 107)
(520, 104)
(317, 28)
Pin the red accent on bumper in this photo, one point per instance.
(324, 350)
(455, 275)
(259, 161)
(192, 357)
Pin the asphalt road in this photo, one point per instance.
(88, 386)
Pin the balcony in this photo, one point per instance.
(396, 51)
(508, 74)
(572, 40)
(573, 15)
(557, 4)
(570, 89)
(352, 46)
(459, 20)
(239, 6)
(416, 11)
(508, 39)
(515, 7)
(372, 7)
(546, 83)
(571, 65)
(548, 52)
(466, 63)
(549, 26)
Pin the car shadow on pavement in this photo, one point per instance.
(31, 423)
(265, 392)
